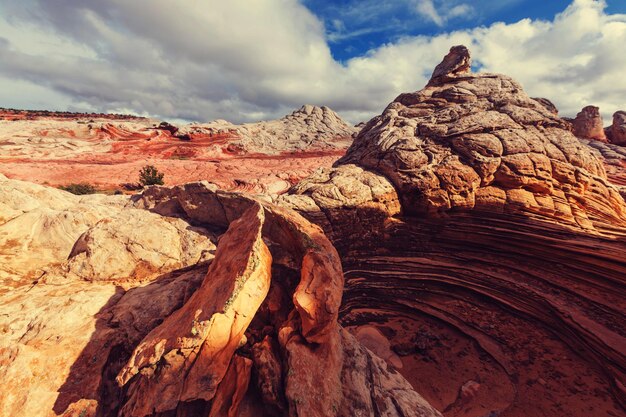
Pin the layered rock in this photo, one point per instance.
(614, 159)
(588, 124)
(108, 150)
(478, 142)
(52, 234)
(489, 306)
(256, 334)
(308, 128)
(65, 260)
(304, 363)
(482, 249)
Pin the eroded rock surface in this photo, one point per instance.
(108, 151)
(588, 124)
(614, 158)
(256, 334)
(617, 131)
(461, 253)
(308, 128)
(465, 256)
(51, 234)
(477, 141)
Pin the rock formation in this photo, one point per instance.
(109, 150)
(102, 238)
(257, 332)
(614, 159)
(617, 131)
(308, 128)
(466, 256)
(477, 141)
(588, 124)
(488, 303)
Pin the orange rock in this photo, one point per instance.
(232, 388)
(588, 124)
(186, 357)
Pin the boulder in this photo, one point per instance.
(618, 128)
(588, 124)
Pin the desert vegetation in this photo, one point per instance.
(79, 188)
(149, 175)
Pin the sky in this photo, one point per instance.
(245, 60)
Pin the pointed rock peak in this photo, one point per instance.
(457, 63)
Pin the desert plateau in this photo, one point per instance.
(179, 238)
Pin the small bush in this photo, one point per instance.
(79, 189)
(149, 175)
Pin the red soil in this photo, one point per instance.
(109, 155)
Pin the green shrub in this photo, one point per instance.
(79, 189)
(149, 175)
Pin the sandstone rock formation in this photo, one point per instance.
(466, 256)
(470, 287)
(308, 128)
(258, 335)
(92, 237)
(477, 141)
(108, 151)
(614, 159)
(617, 131)
(64, 259)
(588, 124)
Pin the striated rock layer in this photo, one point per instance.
(477, 141)
(108, 150)
(464, 258)
(256, 334)
(617, 131)
(482, 246)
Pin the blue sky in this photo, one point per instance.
(354, 27)
(244, 60)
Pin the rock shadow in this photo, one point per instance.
(128, 316)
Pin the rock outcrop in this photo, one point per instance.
(64, 260)
(108, 150)
(47, 233)
(466, 256)
(588, 124)
(255, 334)
(478, 142)
(308, 128)
(469, 287)
(617, 131)
(614, 159)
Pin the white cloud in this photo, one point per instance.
(242, 60)
(460, 10)
(427, 9)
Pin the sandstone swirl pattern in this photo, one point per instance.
(465, 258)
(486, 243)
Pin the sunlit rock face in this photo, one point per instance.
(249, 329)
(109, 150)
(478, 142)
(482, 247)
(303, 362)
(464, 259)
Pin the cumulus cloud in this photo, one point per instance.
(242, 60)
